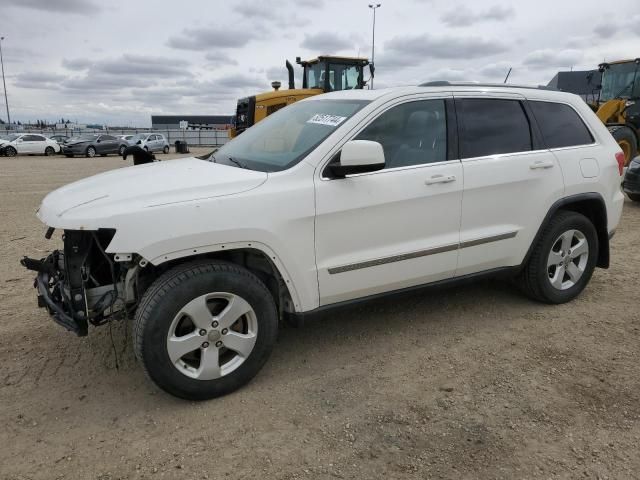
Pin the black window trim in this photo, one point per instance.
(582, 119)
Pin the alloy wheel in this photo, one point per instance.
(567, 260)
(212, 335)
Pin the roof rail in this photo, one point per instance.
(447, 83)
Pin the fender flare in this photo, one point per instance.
(601, 226)
(226, 247)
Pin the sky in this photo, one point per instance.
(118, 62)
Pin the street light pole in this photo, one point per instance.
(6, 102)
(374, 7)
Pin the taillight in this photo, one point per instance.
(620, 160)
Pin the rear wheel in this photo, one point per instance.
(91, 152)
(166, 149)
(10, 152)
(121, 150)
(563, 260)
(49, 151)
(628, 143)
(204, 329)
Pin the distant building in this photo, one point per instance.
(584, 83)
(194, 122)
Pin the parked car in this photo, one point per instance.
(152, 142)
(59, 138)
(94, 144)
(29, 144)
(631, 184)
(126, 138)
(334, 199)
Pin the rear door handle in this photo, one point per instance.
(441, 179)
(541, 164)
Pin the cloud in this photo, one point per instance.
(76, 63)
(80, 7)
(210, 37)
(462, 16)
(617, 25)
(326, 42)
(145, 65)
(407, 51)
(496, 70)
(220, 58)
(263, 13)
(38, 80)
(553, 58)
(239, 81)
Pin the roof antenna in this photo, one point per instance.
(507, 77)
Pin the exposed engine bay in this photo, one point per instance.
(83, 284)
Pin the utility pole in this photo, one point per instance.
(6, 102)
(374, 7)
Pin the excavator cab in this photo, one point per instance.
(619, 104)
(331, 74)
(320, 75)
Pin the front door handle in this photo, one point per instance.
(541, 164)
(441, 179)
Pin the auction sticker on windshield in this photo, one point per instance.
(325, 119)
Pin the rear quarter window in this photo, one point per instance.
(560, 124)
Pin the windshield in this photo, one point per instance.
(139, 136)
(284, 138)
(621, 80)
(12, 137)
(341, 76)
(84, 138)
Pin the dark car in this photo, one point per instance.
(631, 184)
(94, 144)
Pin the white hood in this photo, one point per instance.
(96, 201)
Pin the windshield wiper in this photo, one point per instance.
(236, 162)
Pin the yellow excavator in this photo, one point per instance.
(618, 104)
(320, 75)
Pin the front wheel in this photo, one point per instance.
(563, 260)
(204, 329)
(166, 149)
(49, 151)
(121, 150)
(91, 152)
(10, 152)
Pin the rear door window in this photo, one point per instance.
(492, 126)
(560, 124)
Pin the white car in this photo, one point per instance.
(334, 199)
(28, 143)
(151, 142)
(126, 138)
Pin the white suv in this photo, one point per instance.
(331, 200)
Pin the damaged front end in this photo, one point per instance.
(82, 283)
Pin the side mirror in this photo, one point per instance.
(98, 141)
(357, 156)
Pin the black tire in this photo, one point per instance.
(49, 151)
(534, 279)
(635, 197)
(164, 299)
(146, 148)
(165, 150)
(121, 150)
(624, 136)
(10, 151)
(91, 152)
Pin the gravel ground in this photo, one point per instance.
(465, 383)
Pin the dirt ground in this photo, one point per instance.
(465, 383)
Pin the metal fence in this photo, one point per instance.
(192, 137)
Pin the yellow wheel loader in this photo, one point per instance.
(619, 104)
(320, 75)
